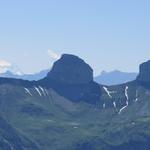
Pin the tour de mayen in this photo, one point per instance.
(75, 75)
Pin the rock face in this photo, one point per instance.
(144, 75)
(70, 69)
(72, 78)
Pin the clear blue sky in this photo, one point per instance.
(108, 34)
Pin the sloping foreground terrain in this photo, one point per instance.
(67, 110)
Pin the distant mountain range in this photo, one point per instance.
(30, 77)
(115, 77)
(106, 78)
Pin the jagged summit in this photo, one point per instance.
(144, 74)
(70, 69)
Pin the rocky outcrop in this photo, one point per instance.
(144, 75)
(72, 78)
(70, 69)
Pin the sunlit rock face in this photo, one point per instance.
(70, 69)
(144, 75)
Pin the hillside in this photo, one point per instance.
(67, 110)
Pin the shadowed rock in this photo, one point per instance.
(71, 69)
(72, 78)
(144, 75)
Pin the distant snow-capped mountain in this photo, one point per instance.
(14, 69)
(9, 70)
(30, 77)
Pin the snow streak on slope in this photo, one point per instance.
(43, 91)
(127, 100)
(38, 91)
(114, 103)
(28, 91)
(104, 105)
(136, 96)
(107, 91)
(126, 93)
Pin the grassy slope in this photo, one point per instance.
(52, 122)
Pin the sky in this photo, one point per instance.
(107, 34)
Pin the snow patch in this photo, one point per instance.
(75, 127)
(114, 103)
(108, 92)
(28, 91)
(122, 109)
(43, 91)
(104, 105)
(126, 92)
(136, 96)
(37, 89)
(127, 101)
(46, 91)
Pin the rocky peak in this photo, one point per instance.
(144, 75)
(70, 69)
